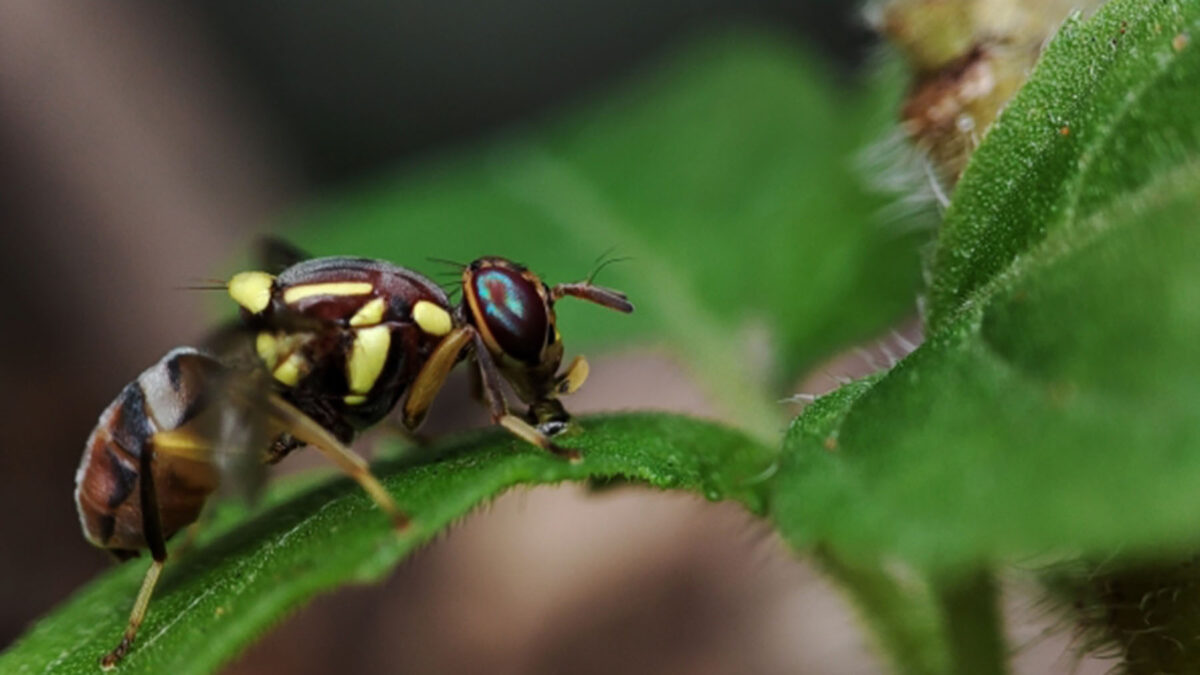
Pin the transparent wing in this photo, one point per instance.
(245, 421)
(228, 416)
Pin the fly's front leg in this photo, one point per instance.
(490, 379)
(433, 375)
(475, 385)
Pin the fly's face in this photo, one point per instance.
(512, 310)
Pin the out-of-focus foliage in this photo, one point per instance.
(1052, 405)
(729, 177)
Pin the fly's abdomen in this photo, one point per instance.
(148, 424)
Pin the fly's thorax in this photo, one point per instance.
(343, 337)
(336, 291)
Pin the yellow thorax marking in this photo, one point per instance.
(369, 314)
(251, 290)
(297, 293)
(268, 349)
(431, 318)
(367, 357)
(354, 399)
(290, 371)
(274, 348)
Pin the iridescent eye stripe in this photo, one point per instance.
(510, 297)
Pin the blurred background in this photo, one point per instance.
(143, 144)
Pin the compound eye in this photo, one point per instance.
(513, 311)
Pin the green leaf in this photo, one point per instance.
(310, 539)
(901, 611)
(1053, 406)
(1110, 106)
(727, 175)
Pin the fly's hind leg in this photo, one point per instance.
(152, 530)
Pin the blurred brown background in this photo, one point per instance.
(142, 144)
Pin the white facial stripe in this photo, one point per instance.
(431, 318)
(297, 293)
(367, 357)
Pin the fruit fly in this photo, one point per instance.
(324, 349)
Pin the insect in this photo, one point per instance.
(325, 348)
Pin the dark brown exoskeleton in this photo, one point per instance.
(327, 347)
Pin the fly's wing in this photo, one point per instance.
(242, 433)
(232, 420)
(235, 421)
(248, 423)
(204, 411)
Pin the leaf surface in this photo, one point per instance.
(253, 569)
(1052, 408)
